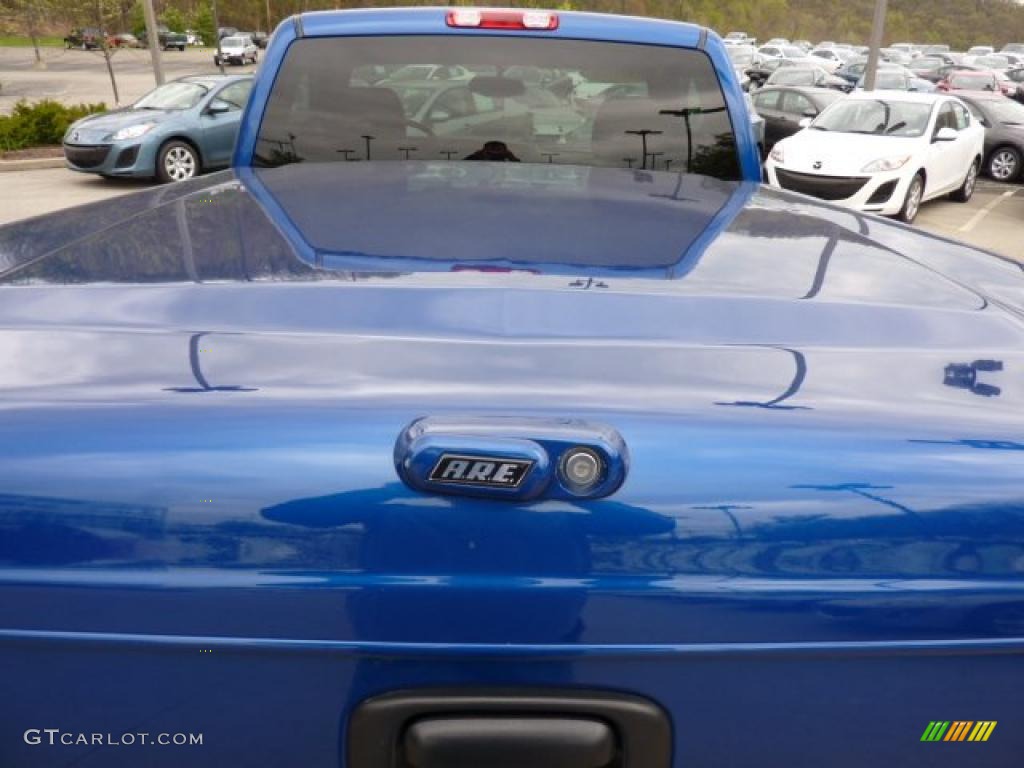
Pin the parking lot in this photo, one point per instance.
(993, 219)
(74, 76)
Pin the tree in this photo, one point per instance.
(174, 19)
(202, 22)
(101, 14)
(32, 13)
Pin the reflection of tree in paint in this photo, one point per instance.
(990, 445)
(197, 372)
(775, 403)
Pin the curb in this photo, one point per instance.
(34, 164)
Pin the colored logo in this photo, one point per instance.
(958, 730)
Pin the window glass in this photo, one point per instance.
(236, 94)
(962, 120)
(876, 116)
(767, 100)
(517, 99)
(796, 104)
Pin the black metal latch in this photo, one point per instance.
(508, 729)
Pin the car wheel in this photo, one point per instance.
(1004, 164)
(912, 202)
(963, 194)
(176, 161)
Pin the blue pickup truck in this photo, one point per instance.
(489, 412)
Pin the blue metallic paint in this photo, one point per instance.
(819, 547)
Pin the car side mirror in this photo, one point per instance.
(805, 122)
(945, 134)
(217, 107)
(810, 113)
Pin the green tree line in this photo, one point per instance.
(958, 23)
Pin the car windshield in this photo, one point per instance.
(600, 105)
(1007, 111)
(890, 80)
(232, 42)
(413, 73)
(876, 116)
(791, 76)
(993, 62)
(177, 95)
(971, 82)
(792, 52)
(742, 58)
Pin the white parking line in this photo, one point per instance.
(986, 210)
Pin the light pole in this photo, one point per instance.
(216, 33)
(877, 33)
(643, 133)
(153, 41)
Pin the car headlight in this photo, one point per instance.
(778, 154)
(132, 131)
(885, 164)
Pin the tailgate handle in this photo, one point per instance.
(509, 742)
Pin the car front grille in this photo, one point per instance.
(86, 155)
(824, 187)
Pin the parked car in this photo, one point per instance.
(447, 107)
(790, 52)
(1017, 76)
(898, 79)
(827, 58)
(970, 80)
(462, 461)
(778, 41)
(785, 107)
(192, 38)
(1003, 121)
(424, 72)
(738, 38)
(223, 32)
(173, 133)
(88, 38)
(260, 38)
(928, 68)
(936, 49)
(980, 50)
(170, 40)
(885, 153)
(1017, 48)
(811, 77)
(124, 40)
(239, 49)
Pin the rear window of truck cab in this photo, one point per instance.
(450, 98)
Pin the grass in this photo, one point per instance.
(11, 41)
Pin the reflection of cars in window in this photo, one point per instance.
(430, 72)
(620, 106)
(173, 132)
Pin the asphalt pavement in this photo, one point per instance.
(74, 76)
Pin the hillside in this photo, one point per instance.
(959, 23)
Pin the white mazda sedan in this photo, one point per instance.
(883, 151)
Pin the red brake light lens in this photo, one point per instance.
(475, 18)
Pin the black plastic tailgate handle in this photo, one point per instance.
(509, 742)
